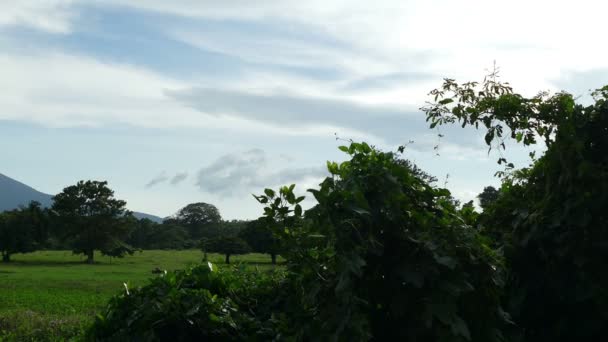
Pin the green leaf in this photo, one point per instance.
(269, 192)
(343, 148)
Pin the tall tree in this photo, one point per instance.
(91, 218)
(23, 230)
(488, 196)
(200, 219)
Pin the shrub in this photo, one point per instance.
(384, 255)
(200, 303)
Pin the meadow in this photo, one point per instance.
(53, 295)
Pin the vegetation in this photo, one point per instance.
(258, 235)
(200, 219)
(92, 219)
(146, 234)
(54, 296)
(384, 253)
(227, 245)
(200, 303)
(550, 218)
(23, 230)
(487, 197)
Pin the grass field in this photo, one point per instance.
(53, 295)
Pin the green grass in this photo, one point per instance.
(53, 295)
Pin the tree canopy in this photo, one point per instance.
(91, 218)
(23, 230)
(258, 235)
(227, 245)
(488, 196)
(200, 219)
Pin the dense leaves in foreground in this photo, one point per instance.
(550, 218)
(201, 303)
(382, 255)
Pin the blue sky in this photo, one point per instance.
(183, 101)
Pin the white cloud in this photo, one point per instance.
(53, 16)
(237, 174)
(533, 41)
(62, 90)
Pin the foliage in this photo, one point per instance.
(258, 235)
(384, 255)
(551, 215)
(197, 304)
(227, 245)
(23, 230)
(91, 218)
(487, 197)
(200, 219)
(28, 325)
(147, 234)
(468, 214)
(232, 227)
(52, 295)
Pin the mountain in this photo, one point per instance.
(14, 193)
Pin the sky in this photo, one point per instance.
(182, 101)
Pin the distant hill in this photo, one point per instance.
(14, 193)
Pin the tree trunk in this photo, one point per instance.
(274, 258)
(6, 257)
(227, 258)
(205, 256)
(90, 256)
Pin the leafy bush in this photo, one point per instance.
(384, 255)
(550, 218)
(192, 305)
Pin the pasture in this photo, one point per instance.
(53, 295)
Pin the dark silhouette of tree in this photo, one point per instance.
(23, 230)
(259, 237)
(200, 219)
(91, 218)
(227, 245)
(488, 196)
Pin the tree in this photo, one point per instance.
(147, 234)
(260, 238)
(91, 218)
(23, 230)
(551, 215)
(488, 196)
(200, 219)
(468, 214)
(227, 245)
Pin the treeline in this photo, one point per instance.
(86, 217)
